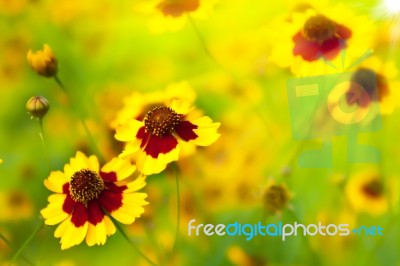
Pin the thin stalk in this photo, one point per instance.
(178, 209)
(119, 228)
(41, 135)
(203, 42)
(27, 241)
(10, 245)
(85, 127)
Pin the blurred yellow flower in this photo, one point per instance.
(238, 256)
(320, 39)
(387, 83)
(43, 61)
(366, 192)
(171, 15)
(15, 205)
(156, 141)
(85, 194)
(275, 197)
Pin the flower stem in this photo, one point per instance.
(27, 241)
(202, 40)
(9, 244)
(41, 135)
(119, 228)
(178, 208)
(85, 127)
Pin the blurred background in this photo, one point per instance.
(234, 58)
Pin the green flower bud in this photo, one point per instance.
(37, 106)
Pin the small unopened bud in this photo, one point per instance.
(43, 61)
(37, 106)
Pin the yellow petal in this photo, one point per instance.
(70, 235)
(53, 213)
(148, 165)
(123, 168)
(81, 161)
(131, 208)
(97, 234)
(55, 181)
(128, 131)
(136, 185)
(206, 131)
(181, 106)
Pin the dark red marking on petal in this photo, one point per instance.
(68, 205)
(115, 188)
(108, 177)
(160, 145)
(176, 8)
(308, 50)
(185, 130)
(65, 188)
(95, 212)
(110, 200)
(329, 49)
(80, 215)
(143, 135)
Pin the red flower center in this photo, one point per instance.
(176, 8)
(373, 189)
(85, 185)
(161, 121)
(320, 37)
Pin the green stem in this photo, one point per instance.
(27, 241)
(9, 244)
(178, 209)
(41, 135)
(119, 228)
(202, 40)
(92, 142)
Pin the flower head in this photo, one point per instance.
(366, 192)
(156, 140)
(86, 194)
(43, 61)
(37, 106)
(276, 197)
(320, 39)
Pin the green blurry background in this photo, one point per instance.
(108, 49)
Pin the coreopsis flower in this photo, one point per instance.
(171, 15)
(275, 197)
(368, 192)
(37, 106)
(85, 196)
(320, 39)
(15, 205)
(43, 62)
(157, 140)
(380, 80)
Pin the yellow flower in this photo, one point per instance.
(86, 194)
(320, 39)
(275, 197)
(171, 15)
(43, 61)
(385, 91)
(157, 140)
(366, 192)
(15, 205)
(238, 256)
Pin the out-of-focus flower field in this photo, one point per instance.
(186, 108)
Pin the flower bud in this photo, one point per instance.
(43, 61)
(37, 106)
